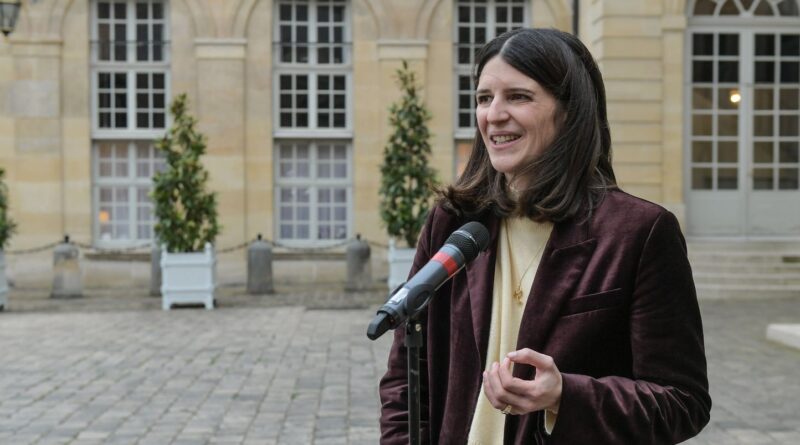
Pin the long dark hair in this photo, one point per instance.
(571, 175)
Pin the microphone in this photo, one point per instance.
(461, 247)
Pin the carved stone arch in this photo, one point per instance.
(424, 18)
(204, 25)
(561, 10)
(242, 18)
(58, 13)
(376, 10)
(676, 7)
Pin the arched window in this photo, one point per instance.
(745, 8)
(743, 117)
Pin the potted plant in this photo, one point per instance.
(407, 181)
(186, 214)
(7, 228)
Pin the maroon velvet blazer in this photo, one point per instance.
(613, 302)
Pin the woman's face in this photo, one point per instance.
(516, 117)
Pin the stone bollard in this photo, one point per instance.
(155, 271)
(66, 271)
(359, 269)
(259, 267)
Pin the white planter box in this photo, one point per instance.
(400, 261)
(188, 278)
(3, 282)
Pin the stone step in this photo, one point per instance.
(788, 334)
(745, 268)
(746, 278)
(737, 291)
(776, 246)
(733, 257)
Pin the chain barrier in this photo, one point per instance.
(310, 249)
(378, 245)
(140, 248)
(234, 248)
(32, 249)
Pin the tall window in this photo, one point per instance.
(477, 22)
(745, 93)
(312, 121)
(129, 95)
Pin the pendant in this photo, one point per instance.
(518, 295)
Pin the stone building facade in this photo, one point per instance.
(293, 97)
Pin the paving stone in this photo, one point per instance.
(258, 372)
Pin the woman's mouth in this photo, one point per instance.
(503, 139)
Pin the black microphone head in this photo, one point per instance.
(470, 239)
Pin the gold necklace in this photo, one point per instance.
(517, 293)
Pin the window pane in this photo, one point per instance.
(763, 99)
(729, 98)
(701, 124)
(728, 125)
(765, 72)
(762, 152)
(787, 179)
(103, 10)
(765, 45)
(703, 44)
(789, 152)
(789, 98)
(727, 179)
(701, 98)
(702, 179)
(702, 71)
(762, 179)
(727, 152)
(762, 125)
(701, 151)
(789, 126)
(729, 8)
(340, 170)
(120, 10)
(790, 72)
(790, 45)
(729, 44)
(728, 71)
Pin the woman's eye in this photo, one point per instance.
(518, 97)
(483, 99)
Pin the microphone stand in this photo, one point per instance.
(416, 300)
(413, 344)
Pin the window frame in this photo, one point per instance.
(130, 67)
(746, 139)
(131, 182)
(460, 133)
(131, 136)
(312, 69)
(314, 184)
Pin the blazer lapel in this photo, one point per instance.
(480, 284)
(563, 262)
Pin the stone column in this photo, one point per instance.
(33, 101)
(627, 43)
(673, 60)
(220, 109)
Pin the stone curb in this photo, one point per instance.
(787, 334)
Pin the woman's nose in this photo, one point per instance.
(497, 111)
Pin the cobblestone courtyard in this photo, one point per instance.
(265, 374)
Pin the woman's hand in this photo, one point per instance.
(516, 396)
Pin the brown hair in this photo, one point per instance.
(572, 174)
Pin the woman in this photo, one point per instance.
(605, 345)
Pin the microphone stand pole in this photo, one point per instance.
(413, 343)
(416, 300)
